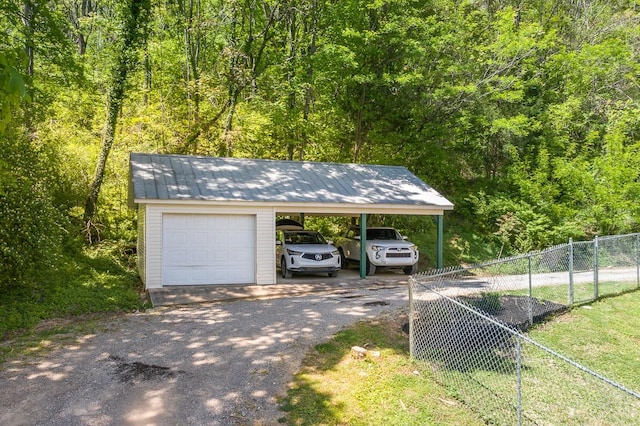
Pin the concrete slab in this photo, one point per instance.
(298, 285)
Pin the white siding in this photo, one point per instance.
(142, 243)
(154, 246)
(265, 245)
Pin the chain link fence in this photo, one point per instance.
(468, 324)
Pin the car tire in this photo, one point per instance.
(370, 267)
(343, 259)
(410, 270)
(284, 271)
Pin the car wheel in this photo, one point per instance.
(286, 273)
(343, 259)
(370, 267)
(410, 270)
(333, 274)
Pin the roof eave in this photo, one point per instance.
(337, 209)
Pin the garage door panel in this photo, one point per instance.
(196, 238)
(200, 257)
(221, 238)
(176, 237)
(208, 249)
(175, 257)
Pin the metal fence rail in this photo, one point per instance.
(460, 328)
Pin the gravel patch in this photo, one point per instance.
(215, 363)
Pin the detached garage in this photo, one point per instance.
(211, 221)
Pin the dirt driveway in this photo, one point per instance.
(208, 364)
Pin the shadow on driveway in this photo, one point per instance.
(218, 363)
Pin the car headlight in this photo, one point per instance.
(335, 253)
(293, 252)
(414, 247)
(376, 248)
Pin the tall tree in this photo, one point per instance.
(251, 28)
(133, 32)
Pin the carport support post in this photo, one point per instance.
(363, 245)
(439, 241)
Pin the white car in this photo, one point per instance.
(300, 250)
(386, 248)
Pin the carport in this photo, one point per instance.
(211, 220)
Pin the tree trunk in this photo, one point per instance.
(90, 209)
(290, 135)
(226, 147)
(135, 18)
(360, 126)
(308, 93)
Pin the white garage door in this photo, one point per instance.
(208, 249)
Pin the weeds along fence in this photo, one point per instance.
(467, 325)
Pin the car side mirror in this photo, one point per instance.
(330, 242)
(404, 237)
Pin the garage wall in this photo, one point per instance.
(142, 217)
(265, 230)
(266, 247)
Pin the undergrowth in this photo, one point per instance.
(85, 281)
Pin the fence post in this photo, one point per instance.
(637, 244)
(411, 314)
(595, 268)
(519, 379)
(570, 271)
(530, 294)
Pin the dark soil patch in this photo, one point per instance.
(353, 296)
(129, 372)
(443, 327)
(376, 303)
(516, 311)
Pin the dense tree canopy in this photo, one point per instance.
(524, 113)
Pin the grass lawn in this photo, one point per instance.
(603, 335)
(582, 292)
(334, 388)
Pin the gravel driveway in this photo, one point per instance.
(208, 364)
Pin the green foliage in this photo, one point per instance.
(31, 227)
(83, 281)
(525, 116)
(12, 85)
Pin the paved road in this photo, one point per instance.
(209, 364)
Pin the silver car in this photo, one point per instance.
(304, 251)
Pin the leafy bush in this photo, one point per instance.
(31, 227)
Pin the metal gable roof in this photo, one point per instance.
(176, 177)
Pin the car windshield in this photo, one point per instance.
(305, 237)
(383, 234)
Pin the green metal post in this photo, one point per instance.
(363, 246)
(440, 241)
